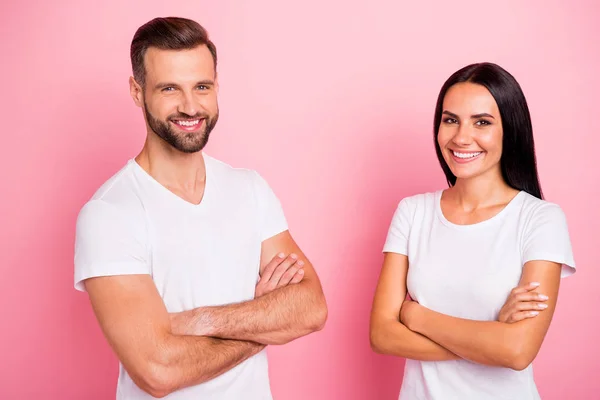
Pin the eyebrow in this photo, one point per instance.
(482, 115)
(206, 82)
(475, 116)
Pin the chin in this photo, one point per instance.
(466, 176)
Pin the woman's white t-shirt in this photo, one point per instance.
(467, 271)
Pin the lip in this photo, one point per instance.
(465, 160)
(188, 128)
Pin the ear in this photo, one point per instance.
(137, 94)
(216, 83)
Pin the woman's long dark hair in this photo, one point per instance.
(517, 162)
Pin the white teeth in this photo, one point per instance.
(466, 155)
(188, 123)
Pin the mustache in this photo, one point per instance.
(186, 116)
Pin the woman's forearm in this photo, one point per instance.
(391, 337)
(484, 342)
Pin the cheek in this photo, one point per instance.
(443, 138)
(209, 102)
(492, 143)
(163, 107)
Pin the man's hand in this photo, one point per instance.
(523, 302)
(279, 272)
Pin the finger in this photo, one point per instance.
(281, 268)
(531, 306)
(298, 277)
(530, 296)
(270, 267)
(525, 288)
(519, 316)
(289, 274)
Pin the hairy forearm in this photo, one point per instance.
(389, 336)
(484, 342)
(183, 361)
(277, 317)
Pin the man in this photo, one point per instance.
(188, 262)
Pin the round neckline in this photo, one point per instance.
(497, 217)
(167, 193)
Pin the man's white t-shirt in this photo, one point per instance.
(197, 255)
(467, 271)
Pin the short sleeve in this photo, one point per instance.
(271, 217)
(108, 242)
(397, 237)
(547, 238)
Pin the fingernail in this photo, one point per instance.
(543, 297)
(300, 271)
(294, 256)
(534, 313)
(543, 305)
(535, 284)
(280, 255)
(300, 263)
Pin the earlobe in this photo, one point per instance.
(136, 91)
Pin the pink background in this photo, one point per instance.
(332, 101)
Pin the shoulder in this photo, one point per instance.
(421, 202)
(225, 172)
(415, 208)
(534, 210)
(117, 200)
(237, 178)
(542, 219)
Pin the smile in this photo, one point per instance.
(188, 125)
(465, 157)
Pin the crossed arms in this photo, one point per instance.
(404, 328)
(165, 352)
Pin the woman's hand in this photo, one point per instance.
(408, 312)
(523, 302)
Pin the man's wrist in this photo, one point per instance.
(203, 322)
(194, 322)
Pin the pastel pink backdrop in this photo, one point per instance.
(332, 102)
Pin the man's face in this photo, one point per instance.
(180, 96)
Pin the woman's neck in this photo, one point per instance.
(480, 192)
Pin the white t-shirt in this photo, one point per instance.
(467, 271)
(197, 255)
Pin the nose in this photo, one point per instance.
(188, 105)
(463, 136)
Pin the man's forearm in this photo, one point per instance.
(275, 318)
(190, 360)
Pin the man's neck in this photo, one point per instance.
(179, 172)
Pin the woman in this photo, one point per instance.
(466, 333)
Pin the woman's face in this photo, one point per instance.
(470, 132)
